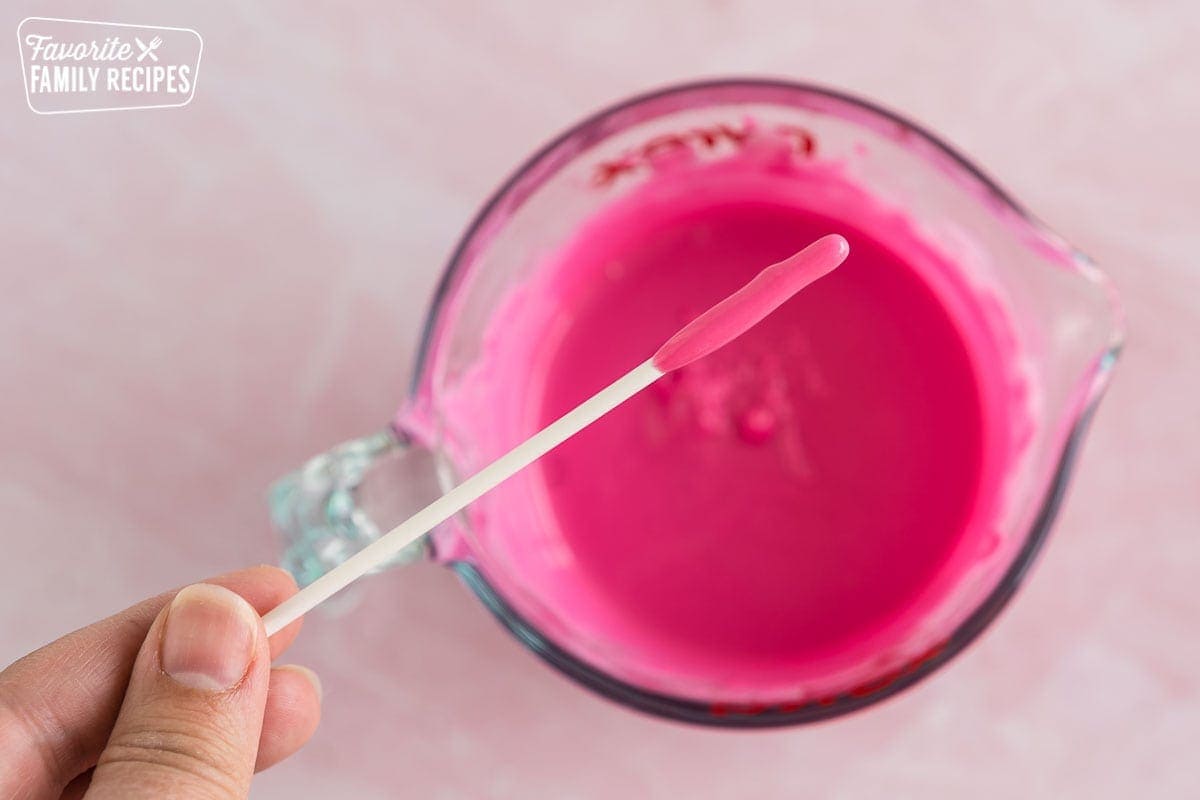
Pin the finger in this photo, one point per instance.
(76, 788)
(193, 712)
(292, 713)
(58, 704)
(289, 721)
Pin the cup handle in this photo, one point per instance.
(344, 499)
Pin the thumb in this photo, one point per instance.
(190, 722)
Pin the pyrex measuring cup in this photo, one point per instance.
(1061, 313)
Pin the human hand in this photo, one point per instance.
(174, 697)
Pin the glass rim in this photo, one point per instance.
(762, 715)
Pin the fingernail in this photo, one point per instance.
(279, 569)
(307, 673)
(209, 638)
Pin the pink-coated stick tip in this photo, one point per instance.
(746, 307)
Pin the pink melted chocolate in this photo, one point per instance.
(782, 511)
(749, 305)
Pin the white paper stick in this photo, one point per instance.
(458, 498)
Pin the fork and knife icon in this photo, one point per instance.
(148, 49)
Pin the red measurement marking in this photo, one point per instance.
(888, 678)
(806, 143)
(706, 136)
(861, 690)
(664, 144)
(735, 135)
(608, 172)
(738, 709)
(926, 657)
(875, 684)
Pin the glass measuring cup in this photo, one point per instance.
(1060, 311)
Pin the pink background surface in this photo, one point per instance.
(192, 301)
